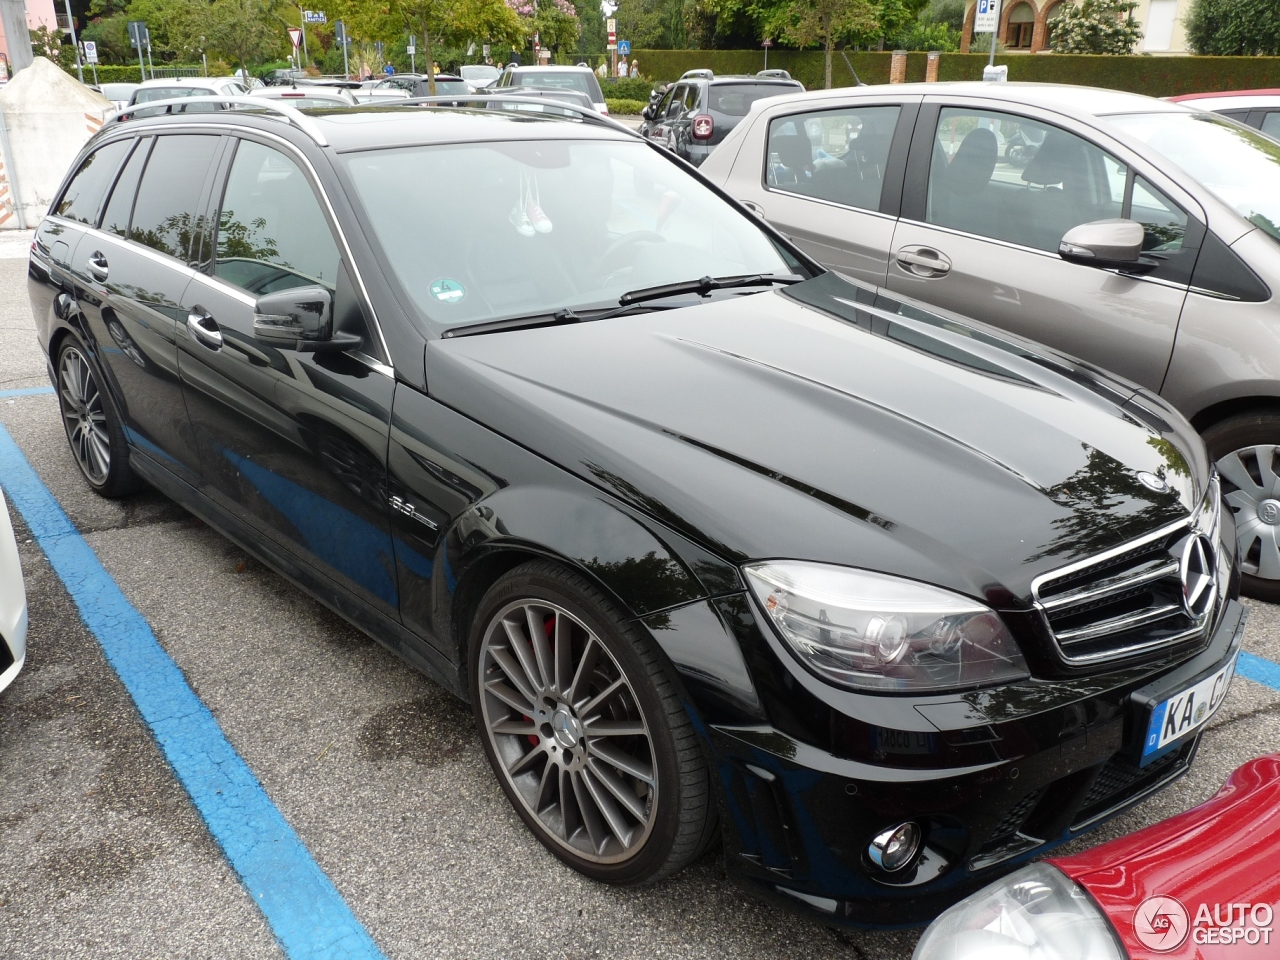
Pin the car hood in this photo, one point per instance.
(829, 422)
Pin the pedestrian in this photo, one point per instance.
(389, 70)
(635, 69)
(602, 71)
(622, 68)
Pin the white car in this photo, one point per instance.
(118, 93)
(1259, 109)
(307, 95)
(13, 603)
(170, 88)
(479, 75)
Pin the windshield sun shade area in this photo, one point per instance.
(529, 227)
(1241, 166)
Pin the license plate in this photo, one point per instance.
(1186, 712)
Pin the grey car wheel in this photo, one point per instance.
(93, 430)
(1247, 456)
(586, 729)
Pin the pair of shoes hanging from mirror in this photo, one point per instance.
(527, 215)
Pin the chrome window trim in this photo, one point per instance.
(134, 246)
(221, 126)
(829, 203)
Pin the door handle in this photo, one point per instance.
(204, 329)
(753, 207)
(923, 261)
(97, 265)
(63, 306)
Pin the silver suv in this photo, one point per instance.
(1135, 233)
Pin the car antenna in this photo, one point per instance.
(856, 80)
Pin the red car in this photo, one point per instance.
(1204, 884)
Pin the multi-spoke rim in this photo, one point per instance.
(1252, 490)
(84, 416)
(567, 730)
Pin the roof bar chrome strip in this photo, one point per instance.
(142, 111)
(466, 100)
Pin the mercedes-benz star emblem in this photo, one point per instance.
(1196, 570)
(1152, 482)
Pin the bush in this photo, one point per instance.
(625, 106)
(1234, 27)
(627, 89)
(927, 36)
(950, 12)
(1096, 26)
(114, 73)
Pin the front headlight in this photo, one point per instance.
(1033, 914)
(872, 631)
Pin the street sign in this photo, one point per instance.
(137, 34)
(624, 47)
(314, 16)
(295, 36)
(410, 49)
(485, 50)
(611, 26)
(987, 16)
(90, 52)
(766, 43)
(378, 47)
(340, 33)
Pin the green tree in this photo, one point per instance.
(824, 22)
(1234, 28)
(1095, 26)
(245, 32)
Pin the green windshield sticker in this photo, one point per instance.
(447, 291)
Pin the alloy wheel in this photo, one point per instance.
(1252, 490)
(568, 732)
(84, 416)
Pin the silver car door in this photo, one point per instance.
(989, 196)
(830, 178)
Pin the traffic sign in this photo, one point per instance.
(90, 52)
(624, 47)
(295, 36)
(987, 16)
(485, 50)
(766, 43)
(340, 33)
(611, 25)
(314, 16)
(410, 49)
(137, 34)
(378, 47)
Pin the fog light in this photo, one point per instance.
(893, 849)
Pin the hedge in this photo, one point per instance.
(1154, 76)
(113, 73)
(625, 107)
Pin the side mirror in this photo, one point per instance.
(1109, 244)
(647, 112)
(299, 318)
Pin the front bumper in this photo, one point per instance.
(1047, 761)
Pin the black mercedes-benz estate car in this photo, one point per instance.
(711, 539)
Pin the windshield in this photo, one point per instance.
(482, 72)
(447, 86)
(118, 91)
(1240, 166)
(581, 80)
(531, 227)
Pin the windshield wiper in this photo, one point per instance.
(628, 301)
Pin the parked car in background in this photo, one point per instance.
(396, 87)
(118, 93)
(1259, 109)
(630, 473)
(479, 75)
(1140, 235)
(170, 88)
(700, 110)
(553, 78)
(538, 98)
(1203, 884)
(302, 96)
(286, 75)
(13, 595)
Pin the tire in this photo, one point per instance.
(632, 805)
(1246, 450)
(91, 424)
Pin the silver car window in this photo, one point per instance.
(835, 155)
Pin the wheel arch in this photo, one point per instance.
(1225, 409)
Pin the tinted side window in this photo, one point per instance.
(1015, 179)
(1271, 124)
(116, 217)
(164, 216)
(836, 155)
(272, 233)
(84, 194)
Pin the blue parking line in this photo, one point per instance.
(1259, 670)
(25, 392)
(310, 919)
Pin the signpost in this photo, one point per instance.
(986, 19)
(72, 24)
(340, 36)
(91, 58)
(766, 43)
(612, 26)
(411, 48)
(137, 37)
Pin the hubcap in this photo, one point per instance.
(568, 732)
(83, 416)
(1252, 490)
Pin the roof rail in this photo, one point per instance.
(474, 99)
(145, 111)
(701, 73)
(780, 74)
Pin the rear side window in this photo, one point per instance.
(735, 99)
(836, 155)
(1271, 124)
(88, 188)
(164, 216)
(116, 217)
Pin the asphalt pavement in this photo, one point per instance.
(379, 772)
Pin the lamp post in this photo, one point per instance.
(74, 42)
